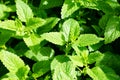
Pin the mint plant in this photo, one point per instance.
(59, 40)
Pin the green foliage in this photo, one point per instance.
(59, 40)
(54, 37)
(49, 25)
(45, 53)
(88, 39)
(71, 30)
(23, 11)
(68, 8)
(65, 71)
(8, 25)
(14, 64)
(46, 4)
(112, 30)
(98, 74)
(40, 68)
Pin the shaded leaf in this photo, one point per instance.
(4, 38)
(94, 57)
(40, 68)
(112, 30)
(92, 4)
(20, 49)
(105, 7)
(95, 47)
(49, 25)
(103, 21)
(111, 60)
(23, 72)
(46, 4)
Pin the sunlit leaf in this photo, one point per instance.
(24, 12)
(11, 61)
(54, 37)
(65, 71)
(71, 30)
(88, 39)
(68, 8)
(44, 53)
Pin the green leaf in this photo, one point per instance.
(11, 61)
(113, 3)
(65, 71)
(59, 60)
(105, 7)
(94, 57)
(4, 38)
(8, 25)
(71, 30)
(92, 4)
(98, 73)
(88, 39)
(49, 25)
(95, 47)
(77, 60)
(54, 37)
(20, 32)
(112, 30)
(97, 29)
(80, 51)
(46, 4)
(9, 76)
(111, 60)
(23, 72)
(20, 48)
(3, 8)
(68, 8)
(38, 12)
(40, 68)
(33, 42)
(84, 52)
(110, 73)
(24, 12)
(35, 23)
(103, 21)
(44, 53)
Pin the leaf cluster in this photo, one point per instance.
(59, 40)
